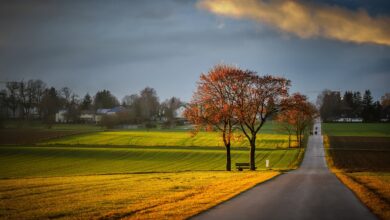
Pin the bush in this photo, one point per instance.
(150, 125)
(48, 121)
(110, 121)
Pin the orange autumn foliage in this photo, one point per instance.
(297, 115)
(227, 96)
(213, 103)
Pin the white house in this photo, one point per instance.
(61, 116)
(107, 111)
(88, 117)
(179, 114)
(349, 120)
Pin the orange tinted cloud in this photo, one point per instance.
(307, 20)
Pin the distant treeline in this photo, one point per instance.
(34, 100)
(353, 106)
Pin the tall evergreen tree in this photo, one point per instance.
(367, 113)
(357, 104)
(376, 111)
(330, 105)
(86, 103)
(104, 99)
(347, 104)
(51, 103)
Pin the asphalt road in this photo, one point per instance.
(310, 192)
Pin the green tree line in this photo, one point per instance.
(353, 105)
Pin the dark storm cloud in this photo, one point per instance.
(127, 45)
(374, 7)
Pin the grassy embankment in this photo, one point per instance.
(64, 176)
(359, 155)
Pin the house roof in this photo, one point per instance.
(110, 110)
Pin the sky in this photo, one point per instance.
(124, 46)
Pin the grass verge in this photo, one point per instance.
(372, 189)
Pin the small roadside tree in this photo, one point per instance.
(284, 121)
(298, 114)
(213, 103)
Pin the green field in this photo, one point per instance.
(356, 129)
(134, 151)
(269, 137)
(65, 161)
(167, 138)
(127, 173)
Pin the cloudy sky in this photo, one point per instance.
(125, 46)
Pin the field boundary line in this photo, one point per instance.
(358, 149)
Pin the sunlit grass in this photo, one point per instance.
(65, 161)
(169, 138)
(131, 174)
(372, 188)
(134, 196)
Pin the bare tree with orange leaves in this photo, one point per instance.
(259, 98)
(213, 103)
(297, 116)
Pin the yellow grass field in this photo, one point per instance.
(169, 138)
(129, 196)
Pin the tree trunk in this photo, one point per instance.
(228, 158)
(252, 154)
(298, 139)
(289, 140)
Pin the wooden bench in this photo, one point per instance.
(241, 166)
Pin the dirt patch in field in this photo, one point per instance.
(363, 143)
(354, 154)
(30, 136)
